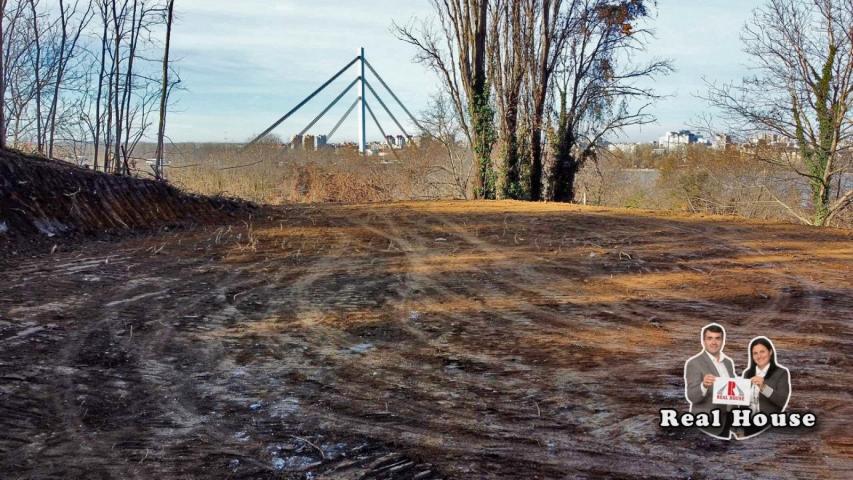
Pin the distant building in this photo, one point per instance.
(296, 141)
(373, 148)
(772, 140)
(319, 142)
(680, 139)
(308, 142)
(395, 142)
(621, 147)
(722, 142)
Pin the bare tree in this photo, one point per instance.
(98, 121)
(597, 87)
(130, 97)
(802, 53)
(458, 55)
(442, 129)
(17, 71)
(39, 47)
(118, 18)
(37, 71)
(67, 46)
(136, 20)
(2, 78)
(542, 57)
(61, 82)
(164, 92)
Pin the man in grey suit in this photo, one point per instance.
(701, 370)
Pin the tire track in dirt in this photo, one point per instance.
(59, 391)
(138, 362)
(796, 297)
(536, 293)
(438, 420)
(414, 249)
(293, 314)
(354, 330)
(532, 277)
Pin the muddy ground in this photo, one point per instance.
(417, 340)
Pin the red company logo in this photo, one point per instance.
(732, 391)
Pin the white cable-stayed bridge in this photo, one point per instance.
(360, 105)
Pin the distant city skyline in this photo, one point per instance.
(244, 66)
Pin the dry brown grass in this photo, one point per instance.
(272, 174)
(699, 180)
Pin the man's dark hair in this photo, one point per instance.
(713, 328)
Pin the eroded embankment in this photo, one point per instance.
(44, 198)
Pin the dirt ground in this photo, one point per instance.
(418, 341)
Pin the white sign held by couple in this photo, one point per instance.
(732, 391)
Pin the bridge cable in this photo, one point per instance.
(344, 117)
(384, 137)
(304, 101)
(394, 96)
(332, 104)
(376, 96)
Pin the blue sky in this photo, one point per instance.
(245, 63)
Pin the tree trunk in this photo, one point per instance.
(513, 174)
(566, 166)
(507, 43)
(563, 178)
(161, 130)
(543, 67)
(482, 119)
(116, 88)
(97, 135)
(479, 107)
(54, 104)
(536, 152)
(135, 30)
(2, 79)
(37, 73)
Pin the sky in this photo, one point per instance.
(243, 64)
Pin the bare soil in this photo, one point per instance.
(418, 340)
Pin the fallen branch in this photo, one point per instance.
(322, 454)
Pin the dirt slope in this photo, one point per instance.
(420, 340)
(42, 198)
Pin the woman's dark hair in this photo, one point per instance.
(750, 372)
